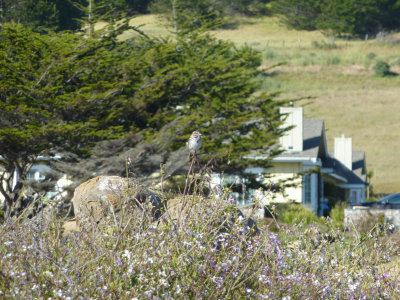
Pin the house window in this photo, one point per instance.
(354, 196)
(307, 189)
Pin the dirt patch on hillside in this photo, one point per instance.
(354, 70)
(346, 70)
(282, 69)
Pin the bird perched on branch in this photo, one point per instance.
(194, 142)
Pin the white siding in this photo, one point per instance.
(344, 151)
(293, 139)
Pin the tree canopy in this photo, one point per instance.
(339, 17)
(64, 93)
(40, 74)
(59, 15)
(349, 17)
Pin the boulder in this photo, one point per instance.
(96, 198)
(178, 211)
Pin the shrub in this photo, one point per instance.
(337, 214)
(294, 213)
(382, 69)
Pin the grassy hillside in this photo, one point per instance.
(338, 75)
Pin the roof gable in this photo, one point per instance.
(355, 176)
(359, 165)
(314, 141)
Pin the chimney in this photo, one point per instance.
(344, 151)
(293, 139)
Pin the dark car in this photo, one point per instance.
(390, 201)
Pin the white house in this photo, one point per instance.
(317, 176)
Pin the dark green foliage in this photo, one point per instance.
(129, 6)
(58, 15)
(382, 69)
(135, 6)
(344, 17)
(46, 91)
(198, 13)
(350, 16)
(61, 15)
(298, 14)
(65, 93)
(41, 14)
(68, 15)
(190, 14)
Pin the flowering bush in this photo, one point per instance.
(206, 249)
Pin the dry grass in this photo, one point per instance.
(150, 24)
(260, 31)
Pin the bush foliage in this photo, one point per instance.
(382, 69)
(203, 251)
(337, 214)
(292, 213)
(297, 213)
(348, 17)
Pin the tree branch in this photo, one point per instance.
(2, 190)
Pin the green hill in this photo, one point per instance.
(338, 74)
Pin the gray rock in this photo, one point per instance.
(101, 196)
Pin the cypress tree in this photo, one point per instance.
(66, 94)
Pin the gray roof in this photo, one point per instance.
(314, 144)
(359, 164)
(352, 176)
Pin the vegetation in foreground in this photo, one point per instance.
(202, 248)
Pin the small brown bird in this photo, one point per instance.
(194, 142)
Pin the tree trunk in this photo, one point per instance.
(13, 194)
(90, 18)
(7, 209)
